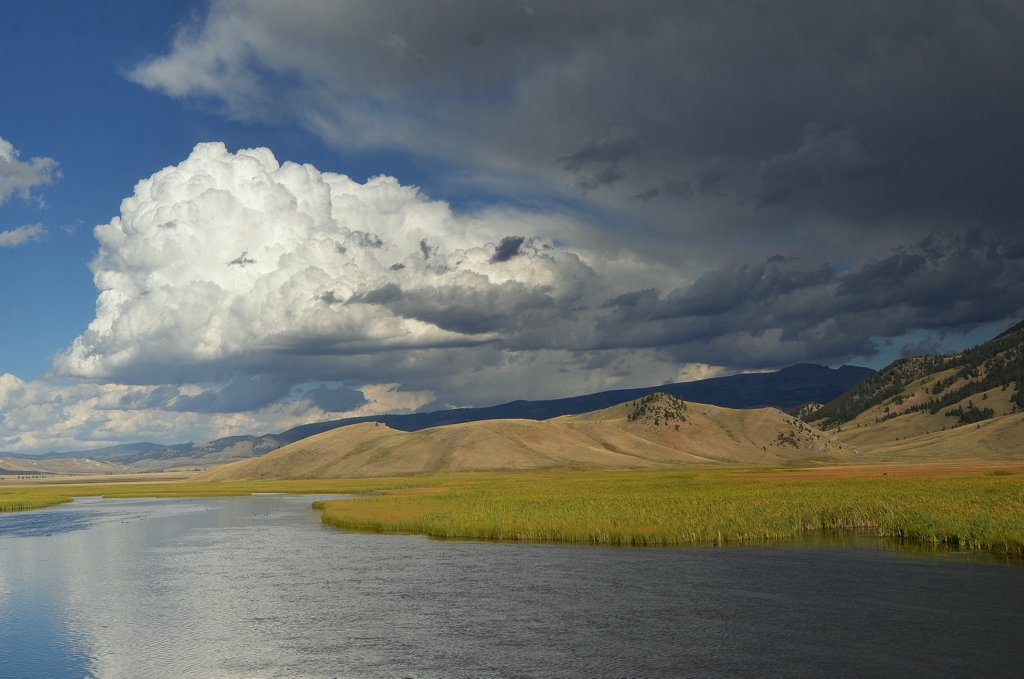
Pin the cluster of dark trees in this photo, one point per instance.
(659, 408)
(970, 414)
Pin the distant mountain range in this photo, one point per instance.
(786, 389)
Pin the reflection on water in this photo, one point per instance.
(847, 539)
(257, 587)
(29, 524)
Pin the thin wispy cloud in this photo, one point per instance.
(23, 234)
(20, 178)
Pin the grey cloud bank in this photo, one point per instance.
(821, 125)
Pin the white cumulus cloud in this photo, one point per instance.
(235, 263)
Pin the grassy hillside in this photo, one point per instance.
(965, 405)
(655, 432)
(935, 384)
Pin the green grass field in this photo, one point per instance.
(975, 510)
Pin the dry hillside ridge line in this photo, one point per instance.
(655, 432)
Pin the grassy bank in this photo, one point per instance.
(17, 498)
(977, 511)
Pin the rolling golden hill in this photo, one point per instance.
(655, 432)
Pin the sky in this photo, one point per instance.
(236, 216)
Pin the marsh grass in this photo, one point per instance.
(21, 501)
(672, 508)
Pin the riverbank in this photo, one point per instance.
(966, 507)
(972, 506)
(23, 496)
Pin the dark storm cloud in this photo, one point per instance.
(943, 283)
(602, 158)
(872, 115)
(678, 189)
(619, 145)
(509, 308)
(720, 291)
(336, 400)
(824, 161)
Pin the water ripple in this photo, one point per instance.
(242, 587)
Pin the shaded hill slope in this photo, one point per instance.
(655, 432)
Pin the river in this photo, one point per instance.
(257, 587)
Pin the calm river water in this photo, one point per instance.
(256, 587)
